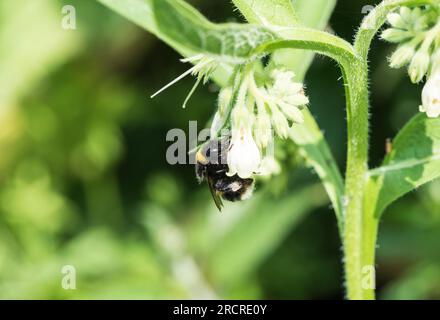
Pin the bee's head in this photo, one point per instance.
(214, 152)
(201, 157)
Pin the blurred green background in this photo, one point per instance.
(84, 180)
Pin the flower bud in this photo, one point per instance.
(396, 20)
(263, 129)
(419, 66)
(405, 13)
(292, 112)
(224, 99)
(395, 35)
(280, 123)
(402, 56)
(298, 99)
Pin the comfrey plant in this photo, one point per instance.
(262, 101)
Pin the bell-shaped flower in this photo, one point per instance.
(244, 157)
(431, 96)
(402, 56)
(288, 96)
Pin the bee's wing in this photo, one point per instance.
(217, 200)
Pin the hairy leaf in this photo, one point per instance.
(268, 12)
(185, 29)
(300, 60)
(258, 11)
(413, 161)
(318, 155)
(188, 32)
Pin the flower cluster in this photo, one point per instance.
(260, 112)
(253, 114)
(417, 31)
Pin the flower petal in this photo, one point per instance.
(244, 156)
(431, 96)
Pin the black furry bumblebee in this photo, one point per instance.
(211, 165)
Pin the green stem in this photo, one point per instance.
(356, 83)
(355, 73)
(369, 236)
(361, 222)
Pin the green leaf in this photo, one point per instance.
(268, 12)
(300, 60)
(413, 161)
(318, 155)
(20, 72)
(262, 12)
(185, 29)
(188, 32)
(310, 16)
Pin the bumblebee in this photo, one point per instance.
(211, 165)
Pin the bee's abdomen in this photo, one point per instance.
(234, 188)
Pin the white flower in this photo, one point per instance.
(395, 35)
(419, 66)
(292, 112)
(288, 96)
(402, 56)
(416, 31)
(431, 96)
(244, 157)
(396, 20)
(263, 129)
(224, 99)
(280, 123)
(284, 86)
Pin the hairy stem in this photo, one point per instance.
(377, 18)
(369, 236)
(361, 222)
(356, 84)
